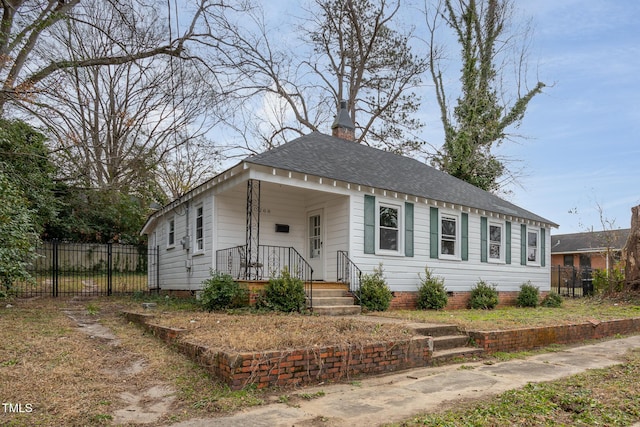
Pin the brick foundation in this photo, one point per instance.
(456, 301)
(296, 367)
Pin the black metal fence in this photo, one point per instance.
(572, 281)
(73, 269)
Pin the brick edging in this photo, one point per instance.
(297, 366)
(537, 337)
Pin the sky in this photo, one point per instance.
(582, 155)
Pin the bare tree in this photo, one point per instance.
(342, 51)
(186, 167)
(362, 59)
(489, 102)
(113, 124)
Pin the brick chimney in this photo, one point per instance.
(343, 126)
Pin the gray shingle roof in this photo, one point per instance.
(589, 241)
(334, 158)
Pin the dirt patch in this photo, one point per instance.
(143, 406)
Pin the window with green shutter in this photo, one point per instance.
(483, 239)
(408, 229)
(433, 233)
(464, 249)
(369, 224)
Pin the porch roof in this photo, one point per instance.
(334, 158)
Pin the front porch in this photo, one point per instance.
(255, 266)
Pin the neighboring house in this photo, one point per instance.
(327, 204)
(589, 249)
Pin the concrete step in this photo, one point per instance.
(435, 330)
(448, 342)
(332, 301)
(455, 354)
(337, 310)
(326, 293)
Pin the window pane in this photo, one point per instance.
(388, 217)
(532, 246)
(448, 247)
(449, 227)
(495, 233)
(388, 239)
(494, 251)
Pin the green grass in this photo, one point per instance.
(609, 396)
(572, 311)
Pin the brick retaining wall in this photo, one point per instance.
(531, 338)
(295, 367)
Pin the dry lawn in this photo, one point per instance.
(272, 331)
(70, 378)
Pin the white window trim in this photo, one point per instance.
(503, 246)
(197, 250)
(537, 231)
(169, 221)
(400, 208)
(458, 242)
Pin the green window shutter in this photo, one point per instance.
(543, 248)
(433, 233)
(507, 253)
(369, 224)
(483, 239)
(465, 237)
(523, 244)
(408, 229)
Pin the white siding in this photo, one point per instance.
(179, 268)
(288, 200)
(402, 272)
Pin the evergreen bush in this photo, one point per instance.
(483, 296)
(221, 292)
(374, 293)
(551, 300)
(284, 293)
(431, 293)
(529, 296)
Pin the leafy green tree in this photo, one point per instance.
(25, 161)
(18, 236)
(483, 113)
(98, 216)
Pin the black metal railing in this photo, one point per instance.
(571, 281)
(349, 273)
(71, 269)
(268, 262)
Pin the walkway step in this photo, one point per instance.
(450, 341)
(453, 354)
(435, 330)
(336, 310)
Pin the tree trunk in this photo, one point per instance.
(632, 251)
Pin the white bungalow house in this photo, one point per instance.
(327, 208)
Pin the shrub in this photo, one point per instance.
(608, 281)
(528, 296)
(374, 294)
(483, 296)
(220, 292)
(284, 293)
(551, 300)
(431, 293)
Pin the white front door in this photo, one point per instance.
(315, 253)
